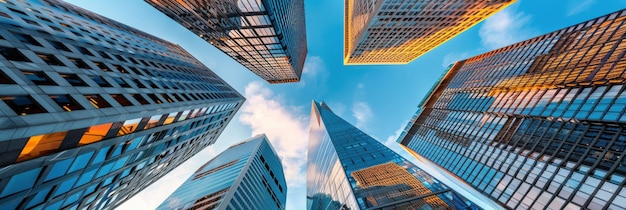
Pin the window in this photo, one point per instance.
(140, 99)
(120, 68)
(41, 145)
(79, 63)
(155, 98)
(22, 105)
(4, 79)
(121, 82)
(100, 81)
(95, 133)
(104, 55)
(73, 79)
(59, 169)
(80, 162)
(27, 39)
(66, 102)
(59, 46)
(13, 54)
(39, 78)
(50, 59)
(167, 97)
(21, 181)
(84, 51)
(121, 99)
(129, 127)
(170, 118)
(153, 122)
(97, 101)
(102, 66)
(139, 84)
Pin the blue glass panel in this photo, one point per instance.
(105, 169)
(134, 143)
(59, 169)
(120, 163)
(38, 198)
(108, 181)
(11, 204)
(118, 150)
(65, 186)
(54, 206)
(86, 177)
(80, 161)
(125, 173)
(102, 154)
(91, 189)
(21, 182)
(72, 198)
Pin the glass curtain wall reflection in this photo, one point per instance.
(397, 32)
(93, 111)
(347, 169)
(537, 124)
(248, 175)
(266, 36)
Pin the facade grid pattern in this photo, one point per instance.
(93, 111)
(537, 124)
(268, 37)
(398, 32)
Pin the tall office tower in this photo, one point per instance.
(397, 32)
(537, 124)
(92, 111)
(266, 36)
(347, 169)
(248, 175)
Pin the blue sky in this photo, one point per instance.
(378, 99)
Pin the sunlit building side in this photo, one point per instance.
(398, 32)
(537, 124)
(92, 111)
(347, 169)
(266, 36)
(248, 175)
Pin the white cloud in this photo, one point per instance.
(576, 7)
(284, 125)
(391, 140)
(453, 57)
(312, 66)
(363, 114)
(505, 27)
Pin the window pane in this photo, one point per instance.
(97, 101)
(4, 79)
(41, 145)
(153, 122)
(121, 99)
(129, 127)
(80, 161)
(140, 99)
(50, 59)
(74, 80)
(59, 169)
(39, 78)
(66, 102)
(22, 105)
(21, 182)
(170, 118)
(100, 81)
(13, 54)
(95, 133)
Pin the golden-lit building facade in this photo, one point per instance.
(268, 37)
(398, 32)
(537, 124)
(398, 184)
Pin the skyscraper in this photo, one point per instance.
(347, 169)
(92, 111)
(266, 36)
(248, 175)
(397, 32)
(537, 124)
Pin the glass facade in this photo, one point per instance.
(93, 111)
(347, 169)
(537, 124)
(248, 175)
(266, 36)
(397, 32)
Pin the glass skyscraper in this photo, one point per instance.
(266, 36)
(92, 111)
(539, 124)
(397, 32)
(347, 169)
(248, 175)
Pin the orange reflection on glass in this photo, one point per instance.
(153, 122)
(41, 145)
(170, 118)
(129, 127)
(95, 133)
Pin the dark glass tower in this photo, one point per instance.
(347, 169)
(537, 124)
(266, 36)
(248, 175)
(92, 111)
